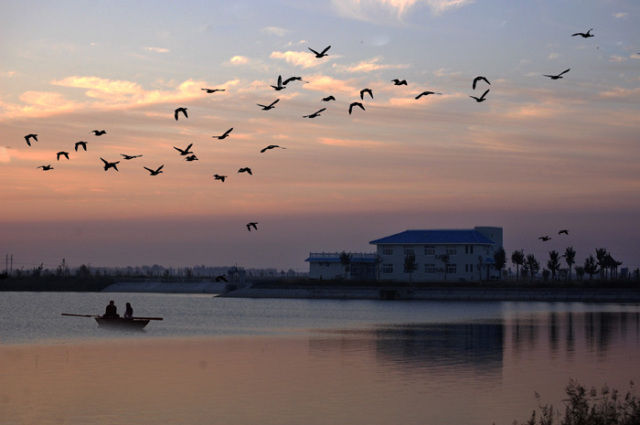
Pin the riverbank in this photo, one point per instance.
(487, 292)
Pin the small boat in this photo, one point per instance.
(118, 322)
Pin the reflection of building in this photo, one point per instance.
(329, 265)
(461, 254)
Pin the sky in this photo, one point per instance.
(537, 156)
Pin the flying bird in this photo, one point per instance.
(315, 114)
(290, 79)
(62, 153)
(263, 150)
(191, 158)
(479, 78)
(108, 164)
(224, 135)
(279, 85)
(584, 34)
(363, 91)
(397, 82)
(328, 98)
(81, 144)
(177, 111)
(212, 90)
(426, 93)
(219, 177)
(156, 171)
(245, 170)
(563, 231)
(46, 167)
(221, 278)
(322, 53)
(127, 157)
(481, 98)
(268, 107)
(544, 238)
(253, 224)
(355, 104)
(557, 77)
(185, 151)
(99, 132)
(30, 136)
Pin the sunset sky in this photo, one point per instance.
(537, 156)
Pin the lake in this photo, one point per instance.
(285, 361)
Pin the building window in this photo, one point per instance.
(409, 251)
(387, 268)
(429, 250)
(387, 250)
(470, 268)
(468, 249)
(429, 268)
(451, 268)
(451, 250)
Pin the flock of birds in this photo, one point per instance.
(280, 84)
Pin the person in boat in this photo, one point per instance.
(111, 312)
(128, 312)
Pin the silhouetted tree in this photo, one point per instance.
(545, 274)
(579, 272)
(601, 256)
(612, 264)
(570, 258)
(83, 271)
(590, 266)
(345, 260)
(62, 270)
(553, 263)
(410, 264)
(533, 266)
(517, 258)
(500, 259)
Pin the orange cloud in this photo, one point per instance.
(350, 143)
(302, 59)
(619, 92)
(239, 60)
(325, 83)
(369, 66)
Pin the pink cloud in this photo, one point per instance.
(301, 59)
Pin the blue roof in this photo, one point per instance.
(462, 236)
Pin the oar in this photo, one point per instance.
(79, 315)
(148, 318)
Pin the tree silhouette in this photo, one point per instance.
(533, 266)
(500, 259)
(554, 263)
(570, 258)
(590, 266)
(579, 272)
(601, 256)
(517, 258)
(410, 264)
(345, 260)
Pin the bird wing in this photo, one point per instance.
(178, 149)
(160, 168)
(274, 102)
(313, 50)
(262, 106)
(188, 147)
(279, 80)
(175, 114)
(319, 110)
(148, 169)
(226, 133)
(325, 50)
(484, 94)
(184, 111)
(263, 150)
(565, 71)
(103, 160)
(420, 95)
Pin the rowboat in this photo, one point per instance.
(134, 323)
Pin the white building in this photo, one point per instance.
(328, 265)
(456, 255)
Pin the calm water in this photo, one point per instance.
(236, 361)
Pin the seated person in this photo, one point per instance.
(128, 312)
(111, 312)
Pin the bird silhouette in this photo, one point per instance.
(156, 171)
(185, 151)
(366, 90)
(358, 104)
(544, 238)
(81, 144)
(219, 177)
(584, 34)
(245, 170)
(108, 164)
(253, 224)
(30, 136)
(481, 98)
(397, 82)
(212, 90)
(426, 93)
(46, 167)
(268, 107)
(191, 158)
(322, 53)
(127, 157)
(99, 132)
(315, 114)
(279, 85)
(221, 278)
(328, 98)
(62, 153)
(479, 78)
(263, 150)
(224, 135)
(290, 79)
(177, 111)
(563, 231)
(557, 77)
